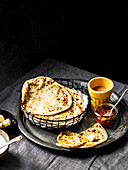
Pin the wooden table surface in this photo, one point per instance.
(27, 155)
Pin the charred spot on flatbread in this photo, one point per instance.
(37, 94)
(88, 138)
(99, 135)
(68, 139)
(44, 96)
(73, 111)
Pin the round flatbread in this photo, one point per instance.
(44, 96)
(76, 108)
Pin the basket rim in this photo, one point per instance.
(80, 88)
(59, 120)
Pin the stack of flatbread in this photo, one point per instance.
(91, 137)
(47, 99)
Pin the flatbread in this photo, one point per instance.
(100, 136)
(44, 96)
(76, 108)
(33, 85)
(68, 139)
(91, 137)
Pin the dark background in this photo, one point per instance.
(91, 36)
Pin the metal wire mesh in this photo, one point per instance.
(52, 124)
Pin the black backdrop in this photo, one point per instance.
(92, 36)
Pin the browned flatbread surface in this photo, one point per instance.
(99, 133)
(44, 96)
(47, 99)
(88, 138)
(76, 108)
(68, 139)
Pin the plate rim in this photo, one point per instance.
(26, 133)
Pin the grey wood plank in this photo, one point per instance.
(28, 155)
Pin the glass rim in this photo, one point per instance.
(109, 104)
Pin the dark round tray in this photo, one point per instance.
(47, 138)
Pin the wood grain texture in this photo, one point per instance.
(28, 155)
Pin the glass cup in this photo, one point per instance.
(100, 90)
(102, 115)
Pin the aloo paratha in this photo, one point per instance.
(76, 108)
(68, 139)
(91, 137)
(95, 135)
(44, 96)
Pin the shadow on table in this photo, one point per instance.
(9, 161)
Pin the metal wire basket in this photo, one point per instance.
(53, 124)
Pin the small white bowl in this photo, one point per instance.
(4, 150)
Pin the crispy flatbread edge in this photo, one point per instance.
(67, 145)
(95, 143)
(61, 145)
(83, 145)
(92, 144)
(25, 88)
